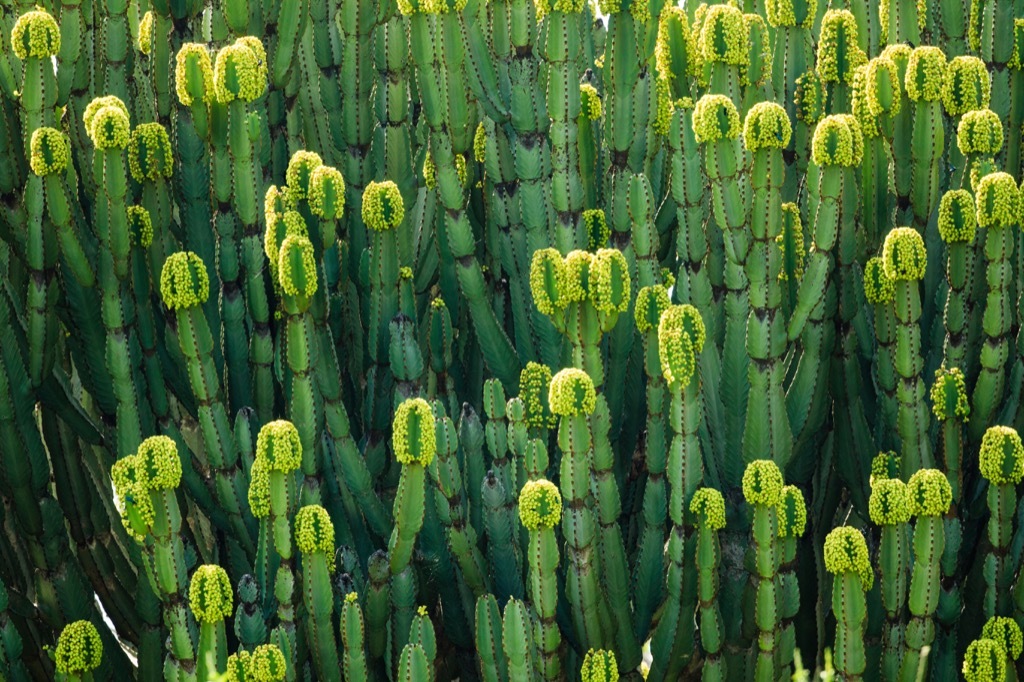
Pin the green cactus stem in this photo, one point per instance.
(708, 508)
(890, 508)
(210, 598)
(762, 488)
(957, 225)
(951, 407)
(879, 292)
(791, 512)
(540, 511)
(314, 538)
(1001, 462)
(839, 55)
(846, 558)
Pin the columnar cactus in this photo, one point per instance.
(791, 512)
(890, 508)
(846, 558)
(314, 537)
(762, 488)
(540, 510)
(708, 508)
(1001, 462)
(210, 598)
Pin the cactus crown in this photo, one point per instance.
(259, 489)
(296, 267)
(184, 282)
(1006, 633)
(35, 35)
(383, 208)
(966, 85)
(572, 393)
(676, 53)
(793, 226)
(885, 465)
(534, 384)
(237, 664)
(889, 504)
(838, 52)
(715, 117)
(879, 287)
(79, 648)
(145, 39)
(762, 483)
(134, 502)
(867, 122)
(724, 36)
(110, 128)
(809, 98)
(260, 52)
(590, 103)
(193, 74)
(149, 152)
(926, 73)
(1001, 459)
(882, 86)
(548, 281)
(278, 445)
(140, 226)
(598, 231)
(609, 282)
(577, 275)
(997, 200)
(1017, 58)
(792, 512)
(680, 339)
(599, 665)
(299, 172)
(50, 151)
(833, 143)
(708, 505)
(766, 127)
(540, 505)
(930, 494)
(413, 438)
(949, 395)
(957, 218)
(326, 193)
(266, 664)
(480, 136)
(980, 132)
(847, 552)
(314, 531)
(651, 302)
(209, 594)
(93, 107)
(759, 69)
(237, 74)
(984, 661)
(158, 464)
(903, 255)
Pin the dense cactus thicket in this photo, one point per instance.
(511, 340)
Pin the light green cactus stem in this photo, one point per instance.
(762, 488)
(1005, 632)
(681, 337)
(1015, 124)
(1001, 462)
(957, 223)
(35, 40)
(966, 87)
(890, 509)
(839, 55)
(930, 497)
(353, 636)
(211, 600)
(984, 661)
(314, 538)
(997, 200)
(951, 407)
(903, 21)
(540, 511)
(79, 651)
(846, 558)
(249, 626)
(791, 512)
(879, 292)
(723, 43)
(874, 86)
(708, 508)
(979, 139)
(926, 73)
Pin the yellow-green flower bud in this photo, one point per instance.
(857, 136)
(209, 594)
(259, 489)
(957, 218)
(572, 393)
(275, 203)
(838, 47)
(383, 208)
(184, 282)
(680, 339)
(284, 225)
(833, 143)
(791, 511)
(930, 493)
(903, 255)
(296, 267)
(949, 395)
(237, 665)
(577, 275)
(278, 445)
(110, 128)
(133, 500)
(651, 302)
(889, 504)
(590, 102)
(413, 439)
(867, 122)
(610, 284)
(766, 127)
(809, 98)
(79, 648)
(446, 6)
(158, 464)
(314, 531)
(882, 86)
(266, 664)
(140, 227)
(145, 40)
(984, 661)
(997, 200)
(966, 85)
(1001, 459)
(93, 107)
(596, 225)
(885, 465)
(149, 152)
(715, 117)
(784, 13)
(1006, 633)
(237, 74)
(299, 172)
(479, 143)
(429, 171)
(1017, 58)
(35, 35)
(599, 665)
(791, 218)
(708, 506)
(548, 281)
(762, 483)
(260, 52)
(534, 384)
(847, 552)
(879, 287)
(926, 72)
(193, 74)
(326, 193)
(980, 132)
(540, 505)
(50, 151)
(724, 36)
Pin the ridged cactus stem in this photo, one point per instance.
(846, 557)
(540, 509)
(793, 51)
(890, 508)
(709, 510)
(1001, 462)
(314, 536)
(792, 516)
(502, 539)
(36, 39)
(56, 182)
(210, 598)
(925, 71)
(879, 291)
(903, 21)
(353, 636)
(762, 488)
(957, 225)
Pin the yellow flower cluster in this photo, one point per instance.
(980, 132)
(110, 128)
(259, 489)
(1007, 633)
(79, 649)
(540, 505)
(762, 483)
(680, 339)
(577, 276)
(957, 219)
(572, 393)
(546, 7)
(296, 267)
(725, 36)
(926, 73)
(809, 98)
(966, 85)
(782, 13)
(834, 142)
(599, 665)
(903, 255)
(548, 281)
(158, 465)
(149, 152)
(184, 282)
(237, 665)
(383, 208)
(314, 531)
(879, 287)
(590, 102)
(479, 143)
(889, 504)
(708, 506)
(209, 594)
(300, 170)
(791, 217)
(651, 302)
(534, 384)
(237, 74)
(715, 117)
(266, 664)
(610, 283)
(193, 74)
(35, 35)
(885, 465)
(413, 439)
(867, 122)
(997, 201)
(145, 40)
(140, 226)
(984, 661)
(278, 445)
(445, 6)
(280, 226)
(949, 395)
(50, 151)
(675, 51)
(792, 512)
(596, 225)
(838, 47)
(766, 127)
(254, 44)
(847, 552)
(1017, 58)
(930, 494)
(93, 107)
(134, 502)
(326, 193)
(882, 86)
(1001, 459)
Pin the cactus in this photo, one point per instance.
(890, 509)
(79, 651)
(708, 507)
(1001, 462)
(846, 558)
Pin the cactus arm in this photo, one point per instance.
(314, 536)
(846, 556)
(489, 646)
(708, 508)
(540, 509)
(516, 642)
(353, 632)
(1001, 462)
(502, 544)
